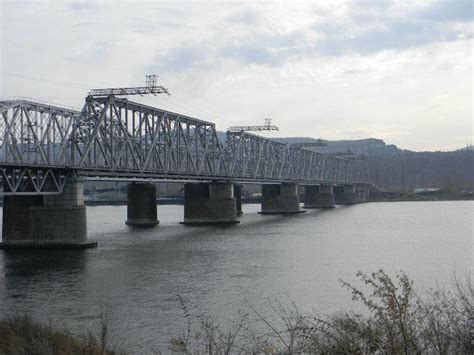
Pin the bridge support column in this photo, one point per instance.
(212, 203)
(321, 196)
(362, 195)
(238, 198)
(345, 195)
(280, 199)
(141, 205)
(366, 194)
(49, 221)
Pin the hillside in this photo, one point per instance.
(366, 147)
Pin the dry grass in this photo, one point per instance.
(22, 335)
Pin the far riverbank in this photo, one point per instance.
(386, 197)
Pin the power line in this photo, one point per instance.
(185, 109)
(202, 110)
(47, 81)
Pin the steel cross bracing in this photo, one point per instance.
(143, 90)
(252, 157)
(31, 137)
(42, 145)
(119, 137)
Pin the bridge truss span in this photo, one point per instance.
(116, 135)
(253, 157)
(32, 133)
(41, 145)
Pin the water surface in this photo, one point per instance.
(136, 273)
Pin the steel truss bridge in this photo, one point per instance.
(42, 145)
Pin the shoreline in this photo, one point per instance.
(257, 200)
(180, 202)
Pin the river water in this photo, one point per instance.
(135, 274)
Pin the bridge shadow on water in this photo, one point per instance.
(249, 220)
(25, 270)
(252, 219)
(30, 262)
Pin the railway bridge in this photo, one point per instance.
(47, 151)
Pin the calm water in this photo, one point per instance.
(136, 274)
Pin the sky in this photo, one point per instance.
(401, 71)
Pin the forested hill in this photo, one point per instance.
(453, 171)
(398, 169)
(366, 147)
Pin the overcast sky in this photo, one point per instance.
(396, 70)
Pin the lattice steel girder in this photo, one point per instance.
(30, 181)
(116, 134)
(33, 133)
(251, 156)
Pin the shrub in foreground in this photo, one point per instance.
(22, 335)
(397, 321)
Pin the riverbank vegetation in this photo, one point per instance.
(396, 321)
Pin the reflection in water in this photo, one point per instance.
(137, 273)
(25, 272)
(28, 263)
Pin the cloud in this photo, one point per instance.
(445, 10)
(362, 27)
(399, 34)
(255, 48)
(185, 57)
(252, 53)
(246, 17)
(250, 37)
(264, 48)
(373, 4)
(84, 5)
(369, 29)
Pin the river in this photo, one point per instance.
(135, 274)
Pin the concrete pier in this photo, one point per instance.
(209, 203)
(280, 199)
(238, 198)
(49, 221)
(141, 205)
(319, 196)
(362, 195)
(345, 195)
(366, 195)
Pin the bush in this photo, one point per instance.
(22, 335)
(397, 321)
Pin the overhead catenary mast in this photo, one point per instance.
(266, 127)
(150, 88)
